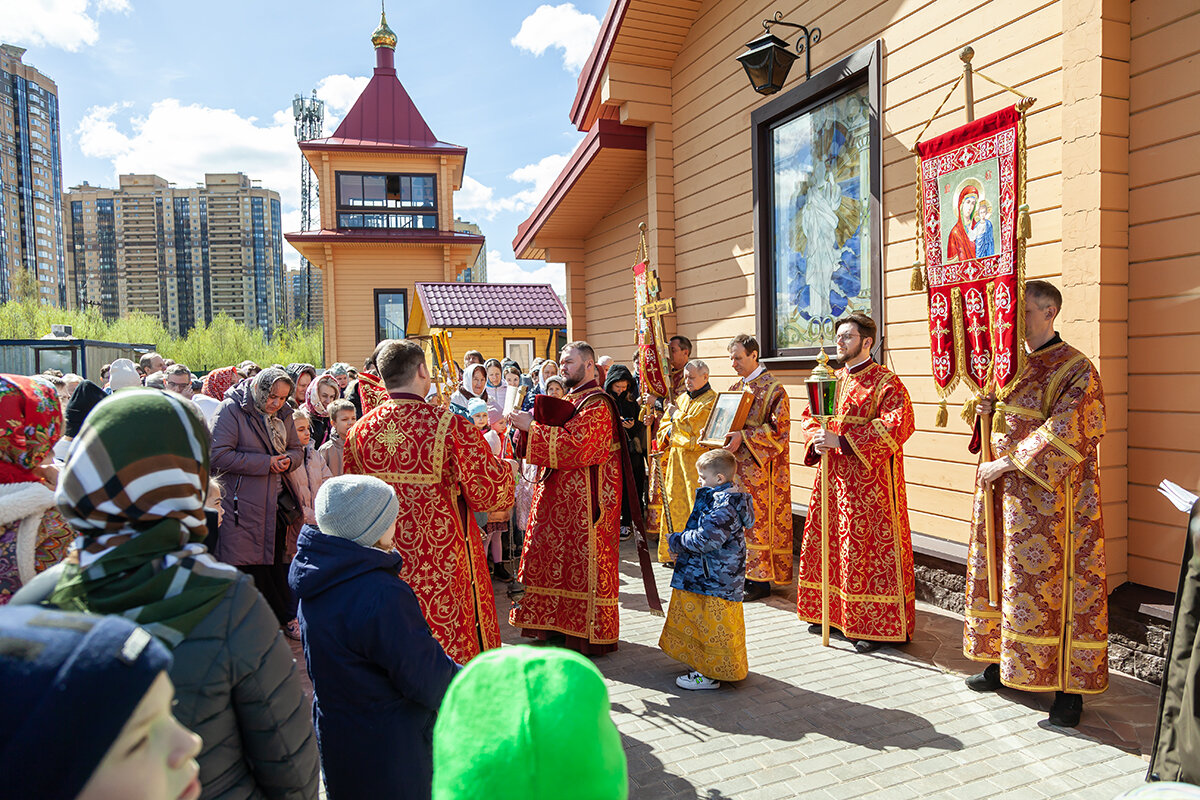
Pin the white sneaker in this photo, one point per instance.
(694, 680)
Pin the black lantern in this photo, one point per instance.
(767, 60)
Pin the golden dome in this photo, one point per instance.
(383, 35)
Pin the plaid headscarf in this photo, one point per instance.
(260, 392)
(219, 381)
(30, 425)
(133, 487)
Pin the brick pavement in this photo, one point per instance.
(823, 723)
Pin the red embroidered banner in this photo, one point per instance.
(651, 351)
(974, 261)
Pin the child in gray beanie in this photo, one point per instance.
(378, 674)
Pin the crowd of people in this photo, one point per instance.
(163, 535)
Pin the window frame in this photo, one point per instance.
(378, 327)
(414, 212)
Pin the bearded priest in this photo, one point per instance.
(442, 469)
(872, 596)
(569, 561)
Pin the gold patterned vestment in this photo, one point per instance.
(441, 469)
(872, 594)
(764, 472)
(679, 438)
(1051, 629)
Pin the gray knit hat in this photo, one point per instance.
(356, 507)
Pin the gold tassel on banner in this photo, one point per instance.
(942, 414)
(916, 281)
(968, 410)
(999, 424)
(1023, 224)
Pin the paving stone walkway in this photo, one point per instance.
(821, 723)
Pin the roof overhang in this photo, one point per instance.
(607, 162)
(313, 148)
(311, 244)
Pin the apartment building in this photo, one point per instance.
(31, 224)
(180, 254)
(294, 286)
(477, 272)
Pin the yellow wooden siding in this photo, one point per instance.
(609, 253)
(490, 341)
(1164, 280)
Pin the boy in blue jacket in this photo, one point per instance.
(378, 674)
(705, 628)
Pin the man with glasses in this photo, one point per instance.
(872, 596)
(178, 379)
(763, 469)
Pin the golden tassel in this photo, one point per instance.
(999, 423)
(1023, 224)
(968, 410)
(941, 414)
(916, 281)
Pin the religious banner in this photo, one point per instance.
(971, 187)
(653, 369)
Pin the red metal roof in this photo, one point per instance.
(491, 305)
(375, 235)
(383, 117)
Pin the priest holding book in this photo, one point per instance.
(569, 563)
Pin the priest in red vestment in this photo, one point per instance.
(441, 469)
(872, 595)
(569, 562)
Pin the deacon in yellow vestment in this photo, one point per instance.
(1050, 631)
(679, 438)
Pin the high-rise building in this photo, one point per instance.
(295, 290)
(31, 223)
(182, 255)
(477, 272)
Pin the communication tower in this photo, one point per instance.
(309, 113)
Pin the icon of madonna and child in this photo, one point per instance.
(967, 225)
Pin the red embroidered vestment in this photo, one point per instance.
(441, 468)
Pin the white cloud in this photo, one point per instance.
(481, 199)
(501, 271)
(339, 93)
(562, 26)
(67, 24)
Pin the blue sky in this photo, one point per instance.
(179, 89)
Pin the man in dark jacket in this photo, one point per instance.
(378, 674)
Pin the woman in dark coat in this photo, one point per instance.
(253, 443)
(623, 387)
(140, 554)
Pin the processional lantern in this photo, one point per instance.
(822, 403)
(768, 59)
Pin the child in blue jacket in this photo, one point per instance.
(378, 674)
(705, 628)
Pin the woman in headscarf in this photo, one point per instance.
(33, 535)
(340, 372)
(140, 554)
(302, 375)
(219, 381)
(623, 387)
(474, 384)
(254, 442)
(496, 390)
(546, 370)
(321, 392)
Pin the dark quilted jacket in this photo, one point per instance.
(711, 550)
(237, 686)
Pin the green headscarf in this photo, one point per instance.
(527, 723)
(133, 488)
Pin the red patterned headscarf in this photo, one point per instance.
(30, 425)
(219, 381)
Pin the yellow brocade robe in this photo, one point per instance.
(679, 436)
(656, 463)
(872, 594)
(441, 468)
(763, 470)
(1051, 629)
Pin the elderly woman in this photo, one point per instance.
(302, 375)
(33, 535)
(474, 384)
(321, 392)
(340, 372)
(254, 443)
(140, 555)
